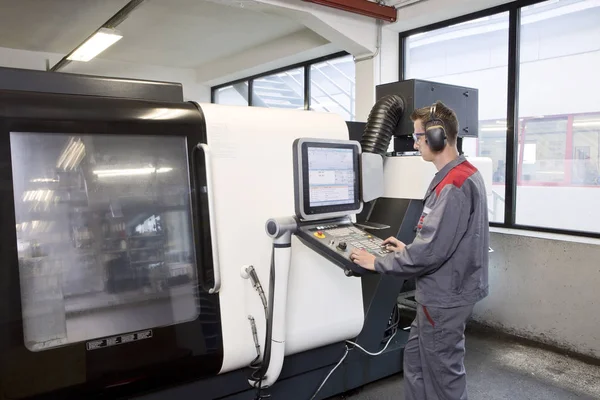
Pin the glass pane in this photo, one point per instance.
(543, 144)
(473, 54)
(234, 95)
(104, 236)
(560, 118)
(282, 90)
(586, 150)
(333, 87)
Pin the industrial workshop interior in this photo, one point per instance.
(299, 199)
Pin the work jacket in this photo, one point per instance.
(449, 256)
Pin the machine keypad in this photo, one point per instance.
(344, 239)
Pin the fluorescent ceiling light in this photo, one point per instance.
(96, 44)
(131, 172)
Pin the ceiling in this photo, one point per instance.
(54, 26)
(174, 33)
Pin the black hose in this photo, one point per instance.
(260, 370)
(381, 124)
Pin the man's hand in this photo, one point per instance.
(393, 244)
(363, 258)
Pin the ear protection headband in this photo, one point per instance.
(435, 132)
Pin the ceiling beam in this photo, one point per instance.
(362, 7)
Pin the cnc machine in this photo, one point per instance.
(144, 254)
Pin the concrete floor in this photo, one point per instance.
(498, 368)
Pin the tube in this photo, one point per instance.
(381, 124)
(281, 231)
(282, 257)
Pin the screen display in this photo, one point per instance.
(331, 176)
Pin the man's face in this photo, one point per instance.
(420, 143)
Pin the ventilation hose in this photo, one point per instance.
(381, 124)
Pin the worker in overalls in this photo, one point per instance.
(448, 258)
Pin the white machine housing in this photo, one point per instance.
(251, 171)
(408, 177)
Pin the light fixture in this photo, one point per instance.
(96, 44)
(131, 172)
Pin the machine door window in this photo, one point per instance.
(105, 244)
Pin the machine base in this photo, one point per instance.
(301, 376)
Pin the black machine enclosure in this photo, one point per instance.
(418, 93)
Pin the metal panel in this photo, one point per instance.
(61, 83)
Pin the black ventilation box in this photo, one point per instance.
(419, 93)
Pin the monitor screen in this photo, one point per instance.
(327, 178)
(331, 176)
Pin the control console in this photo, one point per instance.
(336, 239)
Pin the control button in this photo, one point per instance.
(319, 234)
(342, 246)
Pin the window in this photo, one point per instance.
(330, 87)
(233, 95)
(558, 110)
(473, 54)
(586, 150)
(282, 90)
(543, 80)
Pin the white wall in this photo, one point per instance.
(37, 60)
(545, 290)
(383, 68)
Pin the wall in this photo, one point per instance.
(383, 68)
(37, 60)
(546, 290)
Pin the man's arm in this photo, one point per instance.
(438, 238)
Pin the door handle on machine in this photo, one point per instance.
(211, 215)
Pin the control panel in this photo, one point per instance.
(336, 240)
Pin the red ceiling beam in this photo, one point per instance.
(363, 7)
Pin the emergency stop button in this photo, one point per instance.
(320, 234)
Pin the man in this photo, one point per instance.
(448, 258)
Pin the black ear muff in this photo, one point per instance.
(435, 132)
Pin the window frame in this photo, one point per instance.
(305, 65)
(512, 173)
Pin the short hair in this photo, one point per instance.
(443, 113)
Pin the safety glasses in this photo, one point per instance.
(416, 136)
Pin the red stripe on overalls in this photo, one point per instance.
(428, 316)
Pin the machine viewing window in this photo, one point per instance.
(104, 235)
(326, 177)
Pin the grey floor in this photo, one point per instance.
(498, 368)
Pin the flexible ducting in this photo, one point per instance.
(381, 124)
